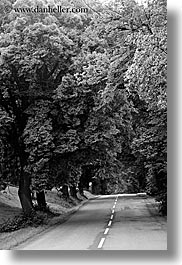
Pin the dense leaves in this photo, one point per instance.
(83, 97)
(147, 77)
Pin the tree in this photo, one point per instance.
(83, 95)
(147, 77)
(34, 57)
(39, 144)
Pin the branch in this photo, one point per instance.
(53, 70)
(121, 28)
(4, 105)
(161, 49)
(114, 11)
(59, 76)
(148, 27)
(91, 8)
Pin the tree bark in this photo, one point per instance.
(80, 186)
(65, 191)
(73, 191)
(103, 187)
(41, 201)
(24, 194)
(81, 190)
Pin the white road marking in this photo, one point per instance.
(101, 242)
(110, 222)
(106, 231)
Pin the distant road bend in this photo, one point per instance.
(110, 222)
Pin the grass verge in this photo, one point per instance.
(16, 229)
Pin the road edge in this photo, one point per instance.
(15, 238)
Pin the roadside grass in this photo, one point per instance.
(15, 228)
(22, 221)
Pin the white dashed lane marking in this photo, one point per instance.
(101, 242)
(106, 231)
(109, 224)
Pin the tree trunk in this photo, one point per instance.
(41, 201)
(65, 191)
(103, 187)
(73, 191)
(24, 194)
(81, 190)
(80, 186)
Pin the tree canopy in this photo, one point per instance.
(83, 97)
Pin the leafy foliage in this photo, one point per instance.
(147, 76)
(23, 221)
(85, 91)
(38, 144)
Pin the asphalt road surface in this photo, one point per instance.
(117, 222)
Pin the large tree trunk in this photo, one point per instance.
(80, 186)
(24, 194)
(65, 191)
(73, 191)
(41, 200)
(81, 190)
(103, 186)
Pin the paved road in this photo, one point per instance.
(117, 222)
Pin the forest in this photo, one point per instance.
(83, 98)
